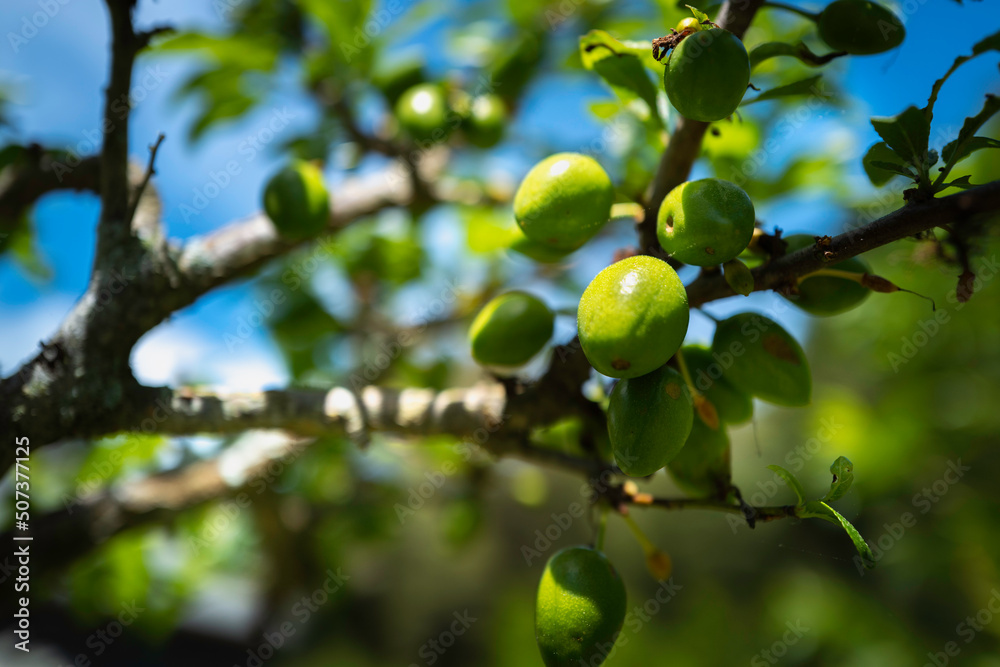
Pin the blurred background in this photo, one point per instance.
(319, 565)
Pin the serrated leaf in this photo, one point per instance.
(791, 481)
(843, 476)
(698, 14)
(803, 87)
(966, 142)
(620, 68)
(819, 510)
(769, 50)
(907, 134)
(874, 163)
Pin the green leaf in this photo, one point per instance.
(769, 50)
(620, 67)
(971, 146)
(960, 182)
(843, 476)
(990, 43)
(791, 481)
(907, 134)
(20, 243)
(698, 14)
(881, 164)
(803, 87)
(819, 510)
(967, 141)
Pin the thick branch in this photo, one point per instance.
(36, 172)
(113, 228)
(685, 141)
(310, 412)
(910, 220)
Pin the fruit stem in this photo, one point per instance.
(682, 367)
(627, 210)
(795, 10)
(644, 542)
(602, 524)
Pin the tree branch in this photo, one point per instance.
(910, 220)
(685, 141)
(35, 173)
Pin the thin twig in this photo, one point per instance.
(150, 170)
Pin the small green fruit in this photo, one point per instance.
(766, 361)
(422, 111)
(510, 330)
(649, 419)
(485, 123)
(580, 608)
(707, 75)
(633, 317)
(860, 27)
(707, 375)
(826, 295)
(689, 23)
(702, 468)
(297, 202)
(564, 200)
(705, 222)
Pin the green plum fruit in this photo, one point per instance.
(632, 317)
(580, 608)
(707, 75)
(564, 200)
(763, 360)
(649, 419)
(423, 113)
(510, 330)
(860, 27)
(484, 124)
(297, 202)
(828, 295)
(705, 222)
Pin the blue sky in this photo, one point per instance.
(56, 76)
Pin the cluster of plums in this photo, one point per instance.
(672, 403)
